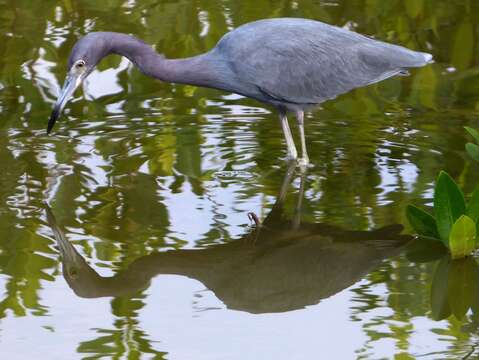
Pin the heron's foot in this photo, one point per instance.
(291, 156)
(303, 162)
(253, 236)
(254, 219)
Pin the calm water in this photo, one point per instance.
(152, 183)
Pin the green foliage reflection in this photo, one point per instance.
(455, 288)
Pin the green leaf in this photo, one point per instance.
(439, 304)
(473, 151)
(422, 222)
(473, 209)
(449, 205)
(474, 133)
(462, 240)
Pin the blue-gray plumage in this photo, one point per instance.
(292, 64)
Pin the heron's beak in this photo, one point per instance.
(71, 83)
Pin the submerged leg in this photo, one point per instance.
(304, 159)
(286, 183)
(299, 204)
(292, 153)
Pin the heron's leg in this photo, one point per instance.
(304, 159)
(292, 153)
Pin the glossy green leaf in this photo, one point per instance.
(449, 205)
(474, 133)
(422, 222)
(461, 285)
(439, 304)
(473, 151)
(473, 209)
(462, 240)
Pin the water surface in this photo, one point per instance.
(152, 183)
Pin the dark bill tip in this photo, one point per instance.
(71, 83)
(53, 119)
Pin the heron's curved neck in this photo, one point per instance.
(202, 70)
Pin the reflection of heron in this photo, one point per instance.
(292, 64)
(282, 265)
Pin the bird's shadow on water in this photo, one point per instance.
(283, 264)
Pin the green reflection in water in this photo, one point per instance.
(126, 340)
(134, 165)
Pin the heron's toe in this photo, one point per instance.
(303, 162)
(291, 157)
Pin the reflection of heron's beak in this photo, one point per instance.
(68, 252)
(71, 83)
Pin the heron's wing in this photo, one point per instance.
(306, 62)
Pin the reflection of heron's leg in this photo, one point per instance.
(275, 216)
(253, 236)
(286, 182)
(304, 159)
(254, 218)
(292, 153)
(281, 196)
(299, 205)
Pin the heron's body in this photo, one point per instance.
(296, 63)
(292, 64)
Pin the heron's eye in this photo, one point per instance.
(80, 64)
(73, 273)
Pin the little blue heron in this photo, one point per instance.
(291, 64)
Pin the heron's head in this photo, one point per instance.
(86, 53)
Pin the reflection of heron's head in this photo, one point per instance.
(85, 281)
(76, 271)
